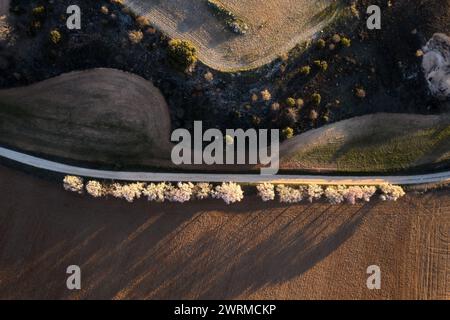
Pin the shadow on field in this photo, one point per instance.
(159, 251)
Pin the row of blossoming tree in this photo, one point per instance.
(230, 192)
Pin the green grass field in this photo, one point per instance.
(388, 149)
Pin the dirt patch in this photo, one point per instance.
(100, 115)
(275, 27)
(211, 251)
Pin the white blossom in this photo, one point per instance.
(73, 184)
(314, 192)
(368, 192)
(129, 192)
(202, 190)
(180, 193)
(335, 195)
(95, 189)
(229, 192)
(266, 191)
(289, 195)
(391, 193)
(155, 192)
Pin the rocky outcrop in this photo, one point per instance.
(436, 65)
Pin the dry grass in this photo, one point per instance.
(275, 27)
(373, 143)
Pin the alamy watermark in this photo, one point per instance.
(235, 147)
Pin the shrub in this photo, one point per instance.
(305, 70)
(313, 115)
(265, 95)
(234, 23)
(129, 192)
(143, 22)
(321, 43)
(155, 192)
(316, 99)
(368, 192)
(353, 194)
(229, 192)
(290, 102)
(335, 195)
(202, 190)
(182, 53)
(287, 133)
(135, 36)
(323, 65)
(38, 11)
(360, 93)
(391, 193)
(346, 42)
(181, 193)
(95, 189)
(299, 103)
(104, 10)
(336, 38)
(55, 36)
(289, 195)
(314, 192)
(73, 184)
(266, 191)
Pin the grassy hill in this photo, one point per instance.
(373, 143)
(101, 115)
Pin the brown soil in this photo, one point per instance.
(100, 115)
(275, 27)
(208, 250)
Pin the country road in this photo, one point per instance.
(442, 177)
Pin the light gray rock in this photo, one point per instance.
(436, 65)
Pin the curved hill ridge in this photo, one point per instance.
(99, 115)
(275, 27)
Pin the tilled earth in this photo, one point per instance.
(208, 250)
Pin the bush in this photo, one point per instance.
(55, 36)
(73, 184)
(155, 192)
(290, 102)
(313, 192)
(346, 42)
(266, 191)
(266, 95)
(202, 190)
(391, 193)
(182, 53)
(335, 195)
(321, 43)
(143, 22)
(289, 195)
(181, 193)
(38, 11)
(323, 65)
(305, 70)
(316, 99)
(229, 192)
(135, 36)
(234, 23)
(95, 189)
(287, 133)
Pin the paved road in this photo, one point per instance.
(241, 178)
